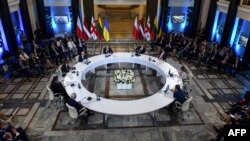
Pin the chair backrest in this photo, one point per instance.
(59, 71)
(77, 58)
(190, 76)
(72, 111)
(186, 104)
(51, 94)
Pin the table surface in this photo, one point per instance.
(119, 107)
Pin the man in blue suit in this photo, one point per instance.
(179, 96)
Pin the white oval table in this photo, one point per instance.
(116, 107)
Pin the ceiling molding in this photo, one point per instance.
(243, 13)
(222, 6)
(13, 5)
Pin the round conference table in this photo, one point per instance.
(122, 107)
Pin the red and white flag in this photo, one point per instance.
(93, 29)
(148, 31)
(86, 34)
(79, 32)
(136, 29)
(141, 27)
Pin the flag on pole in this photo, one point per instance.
(155, 29)
(106, 30)
(93, 29)
(161, 27)
(141, 27)
(100, 28)
(86, 34)
(79, 32)
(148, 31)
(136, 29)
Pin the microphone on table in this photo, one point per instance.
(98, 98)
(167, 89)
(87, 61)
(170, 74)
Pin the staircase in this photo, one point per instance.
(120, 24)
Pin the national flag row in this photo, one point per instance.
(98, 32)
(143, 31)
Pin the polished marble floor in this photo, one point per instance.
(212, 92)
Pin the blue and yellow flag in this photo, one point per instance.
(106, 30)
(161, 27)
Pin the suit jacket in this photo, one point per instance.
(33, 61)
(57, 87)
(179, 96)
(65, 69)
(138, 50)
(164, 57)
(75, 104)
(107, 50)
(81, 58)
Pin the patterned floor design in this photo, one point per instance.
(213, 92)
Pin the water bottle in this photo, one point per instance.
(98, 98)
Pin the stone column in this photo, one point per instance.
(7, 27)
(158, 14)
(204, 12)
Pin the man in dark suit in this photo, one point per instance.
(157, 42)
(57, 87)
(179, 96)
(65, 68)
(107, 50)
(80, 46)
(234, 68)
(71, 101)
(163, 54)
(83, 56)
(140, 50)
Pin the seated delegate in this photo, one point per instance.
(179, 96)
(107, 50)
(140, 50)
(65, 68)
(71, 101)
(83, 56)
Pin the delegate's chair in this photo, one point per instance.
(187, 81)
(73, 113)
(180, 108)
(60, 74)
(77, 58)
(56, 99)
